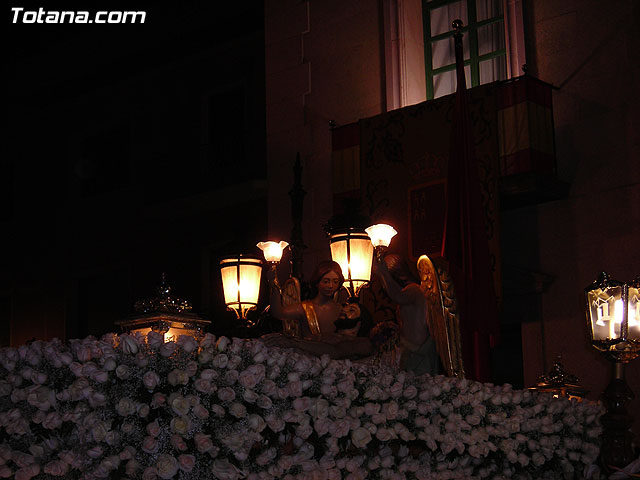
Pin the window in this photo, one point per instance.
(485, 53)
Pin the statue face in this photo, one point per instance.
(329, 284)
(349, 320)
(350, 311)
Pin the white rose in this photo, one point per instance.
(238, 410)
(122, 372)
(57, 468)
(180, 425)
(360, 437)
(220, 361)
(188, 343)
(128, 344)
(125, 406)
(155, 339)
(180, 405)
(208, 340)
(167, 349)
(256, 422)
(250, 396)
(223, 470)
(150, 473)
(177, 377)
(203, 442)
(222, 343)
(264, 402)
(150, 380)
(226, 394)
(166, 466)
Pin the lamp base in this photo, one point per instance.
(617, 437)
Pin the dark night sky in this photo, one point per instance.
(119, 138)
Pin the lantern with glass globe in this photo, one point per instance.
(613, 317)
(241, 283)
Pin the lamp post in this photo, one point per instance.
(241, 283)
(613, 317)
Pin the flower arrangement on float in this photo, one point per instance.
(137, 407)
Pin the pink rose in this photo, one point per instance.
(186, 462)
(200, 411)
(203, 386)
(153, 428)
(178, 443)
(150, 445)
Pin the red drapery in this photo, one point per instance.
(464, 242)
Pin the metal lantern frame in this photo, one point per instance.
(348, 235)
(240, 305)
(601, 296)
(604, 297)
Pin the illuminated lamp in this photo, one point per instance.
(614, 327)
(272, 252)
(353, 251)
(381, 235)
(241, 283)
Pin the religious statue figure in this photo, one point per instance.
(417, 347)
(350, 338)
(309, 317)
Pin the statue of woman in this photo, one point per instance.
(417, 347)
(317, 315)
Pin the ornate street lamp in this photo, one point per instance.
(352, 249)
(241, 283)
(613, 317)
